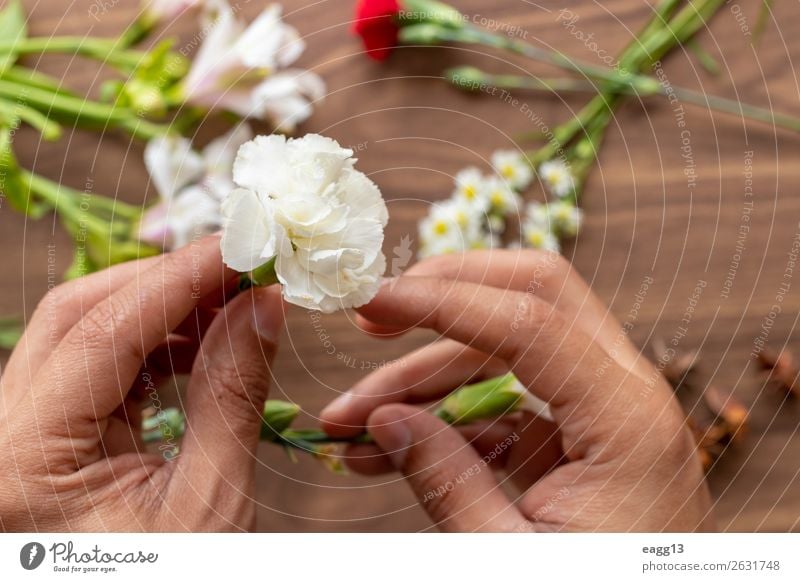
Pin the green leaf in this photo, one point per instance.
(13, 28)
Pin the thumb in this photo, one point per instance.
(453, 484)
(227, 389)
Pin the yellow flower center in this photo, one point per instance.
(440, 227)
(470, 192)
(508, 171)
(554, 179)
(497, 199)
(536, 238)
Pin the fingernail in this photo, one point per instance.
(267, 316)
(394, 437)
(338, 405)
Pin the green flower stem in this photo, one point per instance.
(480, 401)
(564, 85)
(115, 207)
(262, 276)
(73, 107)
(32, 78)
(11, 330)
(109, 51)
(639, 55)
(50, 130)
(67, 204)
(81, 111)
(138, 30)
(737, 108)
(473, 35)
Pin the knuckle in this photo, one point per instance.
(533, 313)
(241, 386)
(444, 266)
(55, 301)
(551, 268)
(438, 493)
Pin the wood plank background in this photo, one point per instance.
(413, 132)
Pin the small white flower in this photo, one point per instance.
(557, 177)
(537, 213)
(453, 226)
(502, 199)
(536, 228)
(514, 168)
(471, 189)
(565, 217)
(191, 186)
(302, 202)
(240, 68)
(190, 215)
(540, 237)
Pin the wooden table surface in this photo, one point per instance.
(643, 218)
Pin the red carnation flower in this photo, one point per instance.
(375, 24)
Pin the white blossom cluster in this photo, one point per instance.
(475, 215)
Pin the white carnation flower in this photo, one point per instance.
(301, 203)
(191, 186)
(513, 167)
(557, 177)
(242, 69)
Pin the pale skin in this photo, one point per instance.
(621, 458)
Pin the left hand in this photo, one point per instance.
(71, 448)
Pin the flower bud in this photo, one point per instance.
(278, 415)
(422, 34)
(467, 78)
(487, 399)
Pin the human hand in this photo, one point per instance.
(71, 447)
(617, 457)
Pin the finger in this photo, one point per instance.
(423, 375)
(555, 362)
(452, 483)
(545, 274)
(58, 311)
(99, 357)
(484, 437)
(537, 451)
(226, 394)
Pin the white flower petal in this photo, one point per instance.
(362, 196)
(286, 98)
(219, 156)
(298, 283)
(247, 231)
(172, 164)
(215, 57)
(262, 165)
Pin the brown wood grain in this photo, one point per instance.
(413, 132)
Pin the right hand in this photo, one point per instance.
(618, 457)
